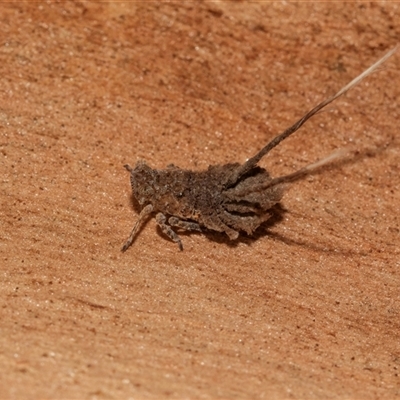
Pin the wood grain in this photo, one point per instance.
(308, 309)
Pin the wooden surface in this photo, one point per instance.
(308, 309)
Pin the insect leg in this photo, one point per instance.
(232, 234)
(161, 220)
(143, 214)
(247, 223)
(187, 225)
(215, 223)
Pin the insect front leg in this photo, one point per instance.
(161, 220)
(143, 214)
(186, 225)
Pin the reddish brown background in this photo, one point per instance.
(308, 309)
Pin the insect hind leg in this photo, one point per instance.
(161, 220)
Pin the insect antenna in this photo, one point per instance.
(251, 163)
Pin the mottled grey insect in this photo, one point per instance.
(225, 198)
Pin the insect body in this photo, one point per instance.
(225, 198)
(193, 200)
